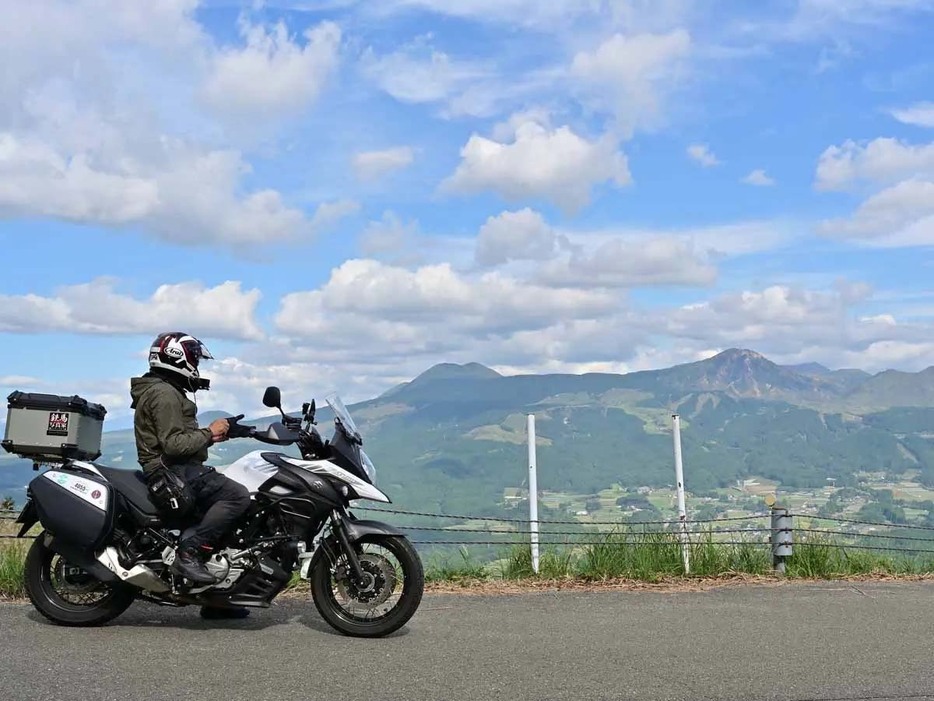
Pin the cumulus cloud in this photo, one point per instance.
(881, 161)
(702, 154)
(419, 73)
(180, 194)
(370, 165)
(273, 74)
(758, 178)
(521, 235)
(631, 263)
(410, 318)
(920, 114)
(781, 316)
(98, 145)
(224, 311)
(629, 75)
(901, 215)
(529, 13)
(541, 162)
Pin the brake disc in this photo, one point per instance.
(381, 581)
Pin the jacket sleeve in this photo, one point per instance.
(177, 441)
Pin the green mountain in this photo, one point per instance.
(454, 438)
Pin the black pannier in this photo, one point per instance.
(78, 508)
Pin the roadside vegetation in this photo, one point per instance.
(654, 557)
(628, 554)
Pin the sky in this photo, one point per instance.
(335, 195)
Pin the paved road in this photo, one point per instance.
(796, 641)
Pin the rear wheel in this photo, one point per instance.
(67, 595)
(388, 598)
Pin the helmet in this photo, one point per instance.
(178, 352)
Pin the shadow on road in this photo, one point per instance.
(142, 615)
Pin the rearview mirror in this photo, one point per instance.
(273, 398)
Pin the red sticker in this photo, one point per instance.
(96, 494)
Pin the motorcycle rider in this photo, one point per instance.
(167, 432)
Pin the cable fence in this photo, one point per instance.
(777, 533)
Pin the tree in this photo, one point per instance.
(7, 504)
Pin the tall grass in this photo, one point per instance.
(461, 570)
(12, 557)
(625, 554)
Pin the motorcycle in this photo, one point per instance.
(105, 544)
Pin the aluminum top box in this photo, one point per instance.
(53, 428)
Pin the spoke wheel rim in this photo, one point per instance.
(382, 594)
(70, 587)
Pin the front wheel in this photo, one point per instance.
(388, 598)
(67, 595)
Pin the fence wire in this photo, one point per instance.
(634, 533)
(864, 523)
(463, 517)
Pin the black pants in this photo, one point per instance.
(221, 501)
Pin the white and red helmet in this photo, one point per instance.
(180, 353)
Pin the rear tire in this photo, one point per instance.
(46, 597)
(323, 585)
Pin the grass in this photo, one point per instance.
(12, 557)
(640, 555)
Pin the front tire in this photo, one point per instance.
(329, 580)
(67, 595)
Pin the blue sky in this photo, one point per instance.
(339, 194)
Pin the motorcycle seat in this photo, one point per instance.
(132, 486)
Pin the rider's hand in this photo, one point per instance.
(219, 428)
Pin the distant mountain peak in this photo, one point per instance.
(739, 354)
(810, 369)
(454, 371)
(447, 371)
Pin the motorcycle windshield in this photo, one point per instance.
(340, 412)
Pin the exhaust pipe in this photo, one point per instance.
(138, 575)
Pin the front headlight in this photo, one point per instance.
(368, 467)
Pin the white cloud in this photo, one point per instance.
(35, 179)
(414, 317)
(920, 114)
(521, 235)
(418, 73)
(759, 178)
(631, 263)
(902, 215)
(96, 308)
(882, 161)
(529, 13)
(90, 106)
(329, 213)
(272, 75)
(179, 194)
(437, 292)
(629, 75)
(370, 165)
(780, 319)
(703, 155)
(553, 164)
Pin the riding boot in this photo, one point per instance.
(189, 565)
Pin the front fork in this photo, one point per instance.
(340, 531)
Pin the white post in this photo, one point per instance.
(533, 493)
(682, 512)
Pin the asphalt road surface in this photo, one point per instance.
(794, 641)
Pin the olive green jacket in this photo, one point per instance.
(166, 424)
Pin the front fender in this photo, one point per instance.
(359, 529)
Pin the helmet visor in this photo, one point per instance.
(196, 351)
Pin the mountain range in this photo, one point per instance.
(454, 438)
